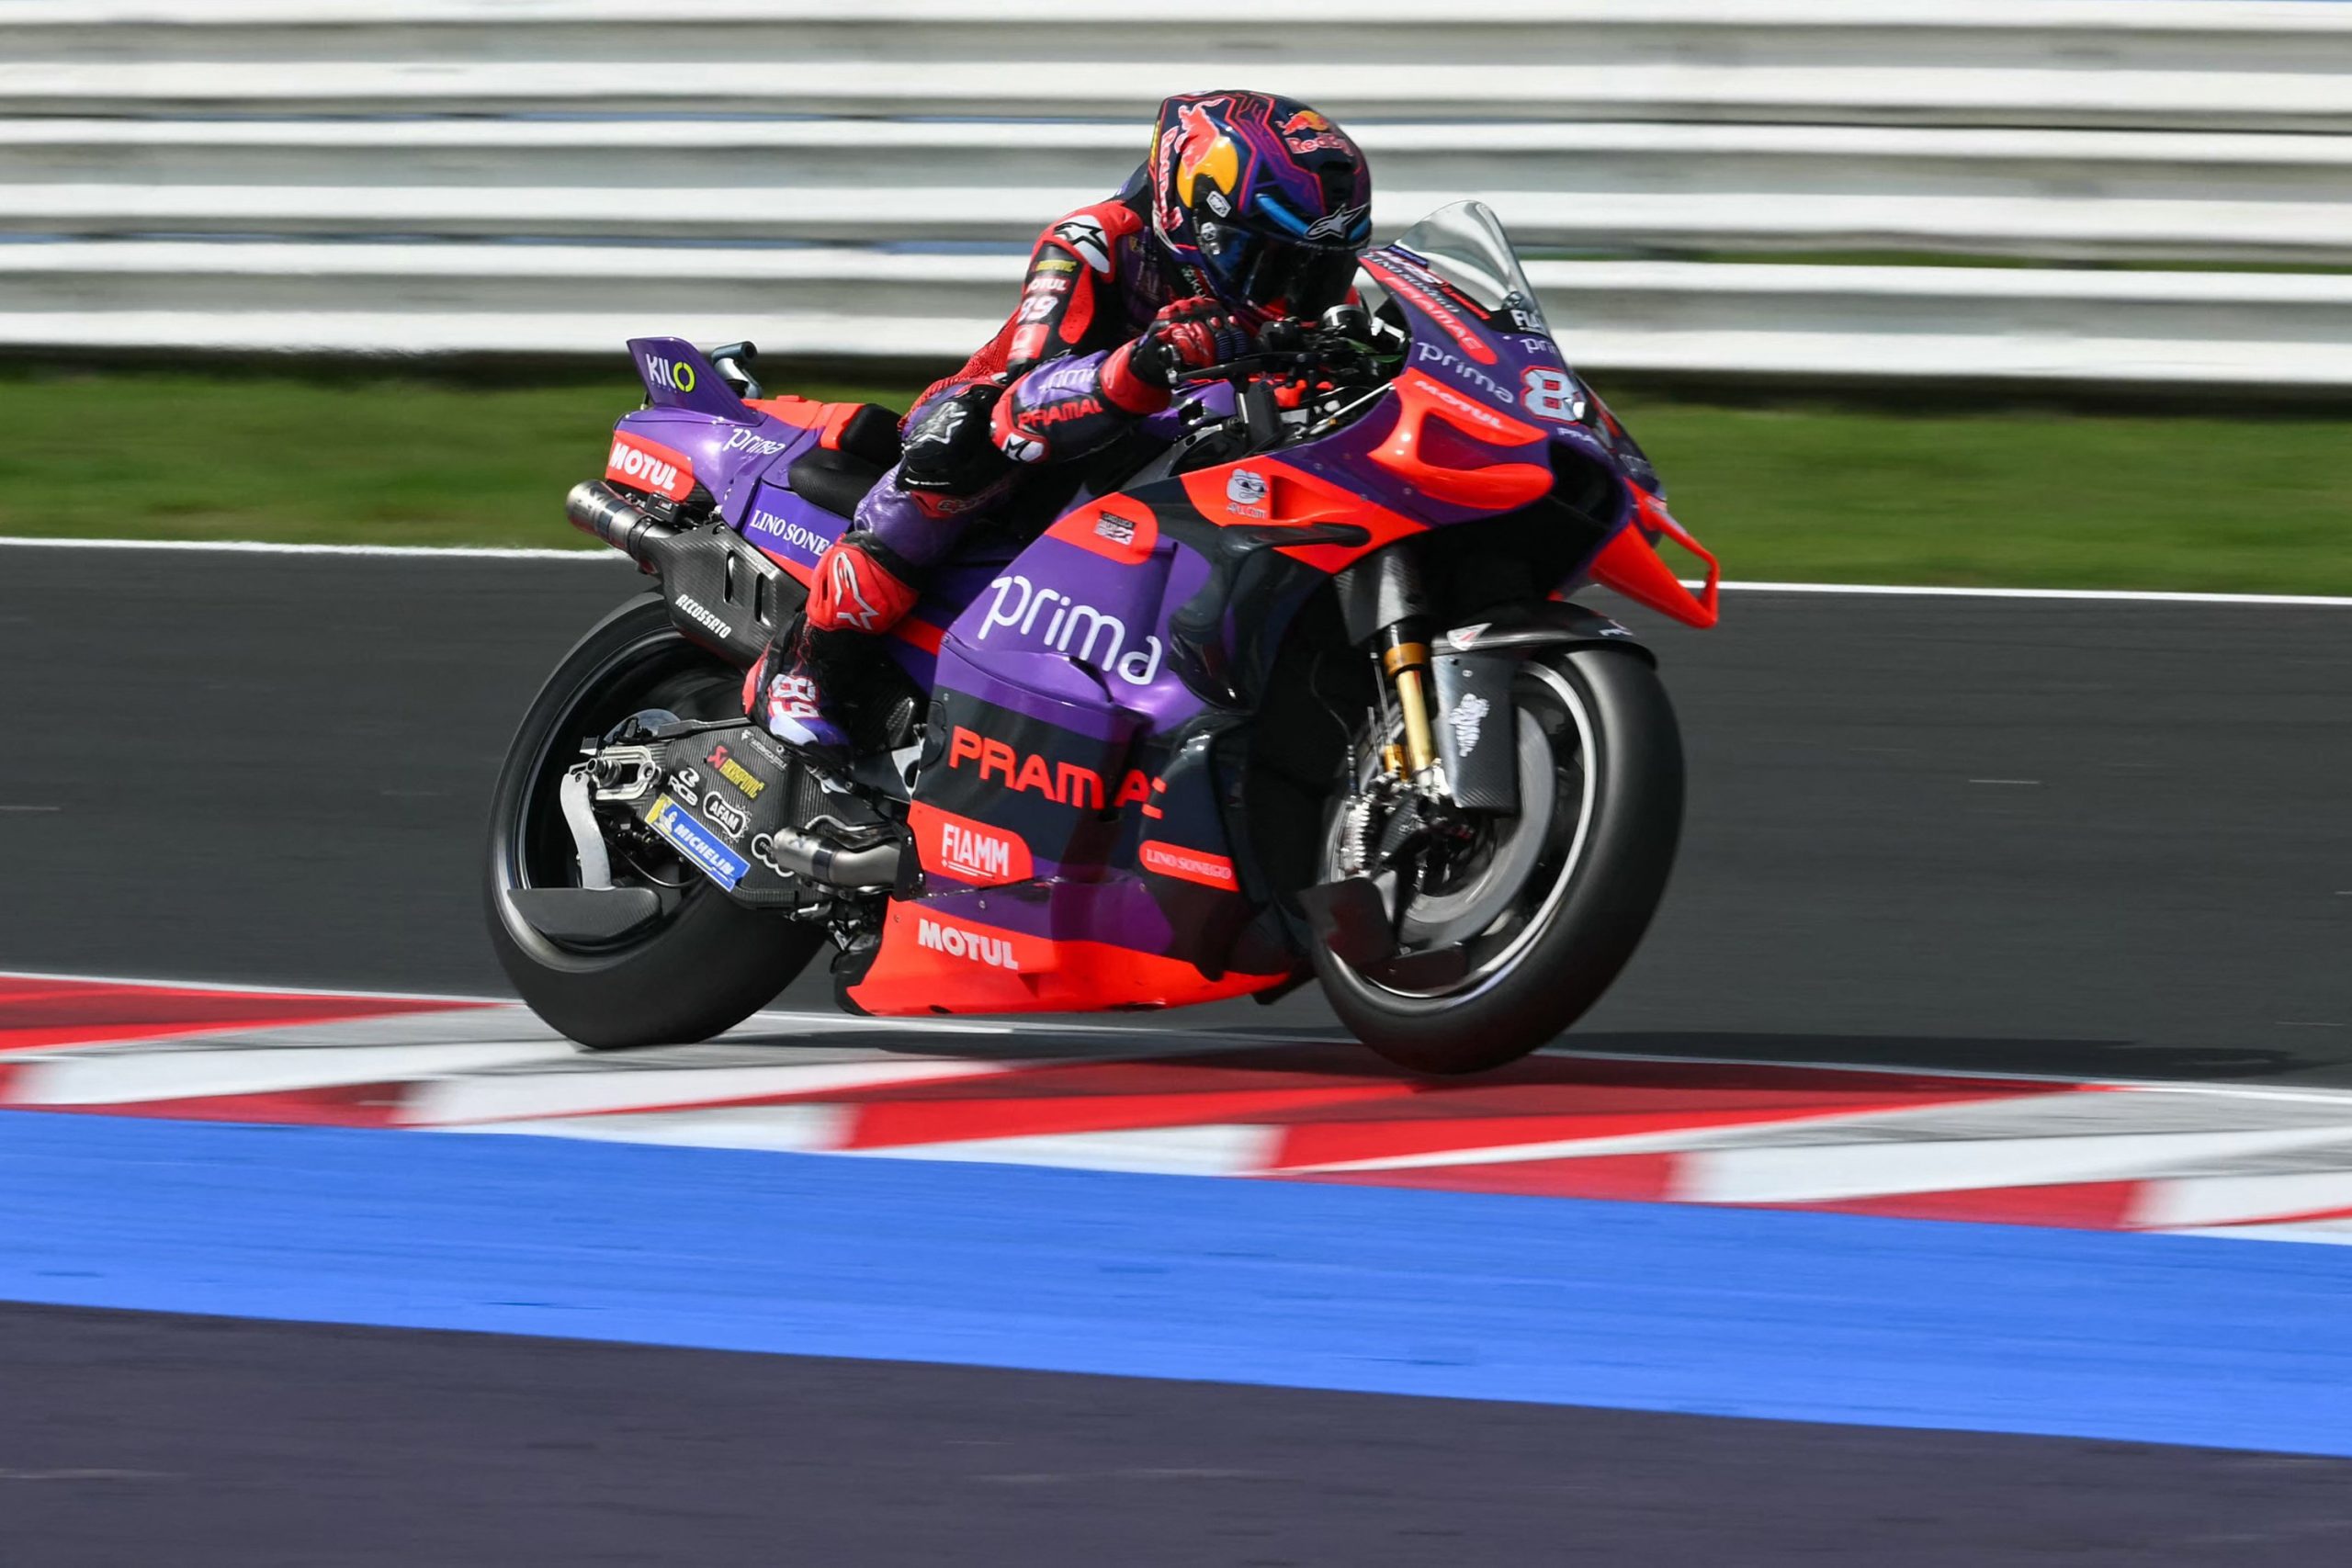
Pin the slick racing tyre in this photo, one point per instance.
(1552, 902)
(706, 963)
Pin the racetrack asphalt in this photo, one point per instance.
(2106, 839)
(222, 1443)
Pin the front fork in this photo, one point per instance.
(1403, 651)
(1446, 734)
(1385, 608)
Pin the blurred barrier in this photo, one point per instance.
(355, 176)
(1852, 322)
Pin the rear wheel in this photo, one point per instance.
(1547, 905)
(706, 963)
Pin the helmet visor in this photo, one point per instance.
(1264, 271)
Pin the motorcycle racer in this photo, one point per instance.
(1250, 207)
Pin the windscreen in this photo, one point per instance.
(1466, 246)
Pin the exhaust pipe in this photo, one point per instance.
(598, 509)
(874, 866)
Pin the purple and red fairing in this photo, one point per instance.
(1072, 808)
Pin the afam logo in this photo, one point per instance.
(728, 818)
(1079, 631)
(674, 374)
(996, 951)
(1245, 491)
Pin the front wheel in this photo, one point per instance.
(707, 962)
(1554, 899)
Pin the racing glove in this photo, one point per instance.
(1186, 336)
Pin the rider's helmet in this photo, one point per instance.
(1260, 200)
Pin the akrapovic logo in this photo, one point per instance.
(695, 611)
(996, 951)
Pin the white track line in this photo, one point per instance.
(2127, 595)
(817, 1023)
(241, 989)
(260, 547)
(473, 552)
(835, 1023)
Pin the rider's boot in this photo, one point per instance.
(802, 685)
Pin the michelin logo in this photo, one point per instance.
(715, 859)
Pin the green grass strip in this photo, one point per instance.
(1793, 493)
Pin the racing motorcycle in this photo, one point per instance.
(1294, 692)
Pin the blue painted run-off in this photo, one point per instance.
(1807, 1317)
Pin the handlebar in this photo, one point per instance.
(1342, 343)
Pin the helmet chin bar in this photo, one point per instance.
(1253, 269)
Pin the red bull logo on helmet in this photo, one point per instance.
(1308, 131)
(1201, 147)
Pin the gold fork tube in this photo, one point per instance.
(1407, 666)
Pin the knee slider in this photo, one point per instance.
(949, 449)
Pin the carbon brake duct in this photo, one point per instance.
(596, 912)
(1355, 917)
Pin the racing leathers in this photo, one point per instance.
(1101, 328)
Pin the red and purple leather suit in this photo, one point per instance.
(1056, 383)
(1249, 206)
